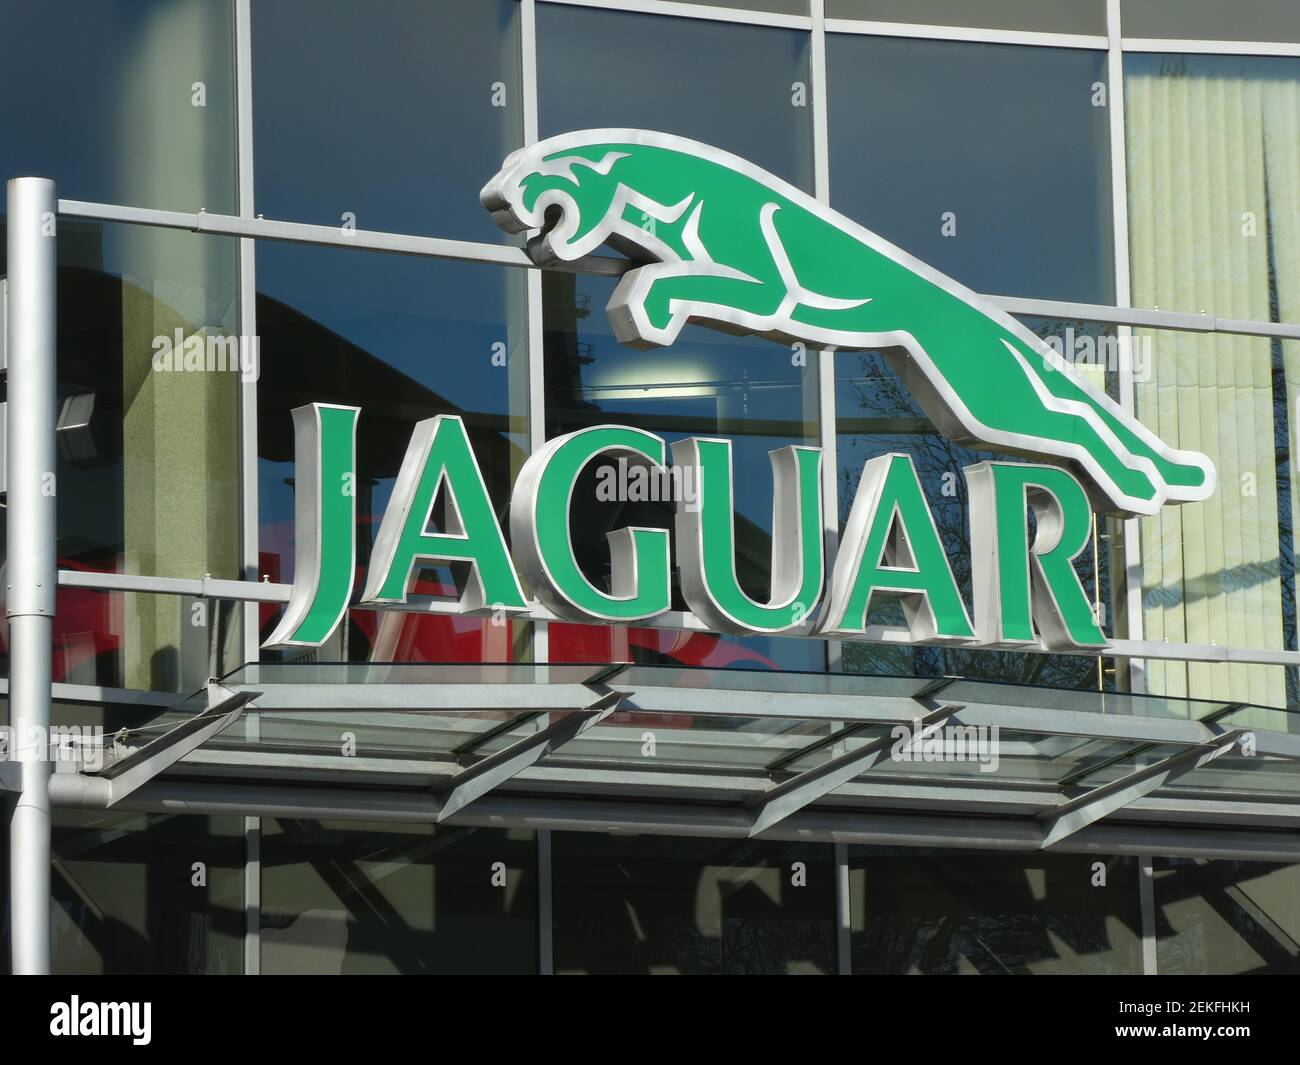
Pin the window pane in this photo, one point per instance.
(652, 904)
(1213, 156)
(729, 86)
(1057, 16)
(149, 371)
(147, 893)
(1243, 20)
(963, 912)
(1214, 172)
(405, 339)
(1222, 571)
(394, 111)
(989, 162)
(121, 101)
(143, 641)
(1226, 917)
(349, 897)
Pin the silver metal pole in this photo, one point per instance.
(30, 586)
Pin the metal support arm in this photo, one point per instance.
(779, 802)
(1069, 817)
(480, 778)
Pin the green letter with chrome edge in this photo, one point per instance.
(440, 457)
(891, 545)
(706, 539)
(539, 531)
(325, 509)
(1018, 586)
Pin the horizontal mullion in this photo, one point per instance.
(1206, 47)
(607, 266)
(505, 255)
(1179, 321)
(202, 587)
(696, 11)
(268, 592)
(976, 34)
(334, 236)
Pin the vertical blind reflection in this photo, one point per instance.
(1214, 179)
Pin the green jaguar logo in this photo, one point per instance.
(719, 241)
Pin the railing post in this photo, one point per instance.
(31, 564)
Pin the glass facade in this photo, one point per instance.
(351, 897)
(690, 906)
(1147, 226)
(1226, 918)
(961, 912)
(139, 893)
(942, 148)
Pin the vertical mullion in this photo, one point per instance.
(248, 502)
(843, 934)
(826, 418)
(545, 935)
(825, 357)
(1147, 902)
(1132, 543)
(536, 363)
(536, 438)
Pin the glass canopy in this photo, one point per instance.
(762, 749)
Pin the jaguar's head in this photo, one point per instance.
(572, 195)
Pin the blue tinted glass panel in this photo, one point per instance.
(990, 162)
(393, 112)
(121, 101)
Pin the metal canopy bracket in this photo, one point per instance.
(779, 802)
(142, 765)
(1071, 779)
(480, 778)
(1083, 810)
